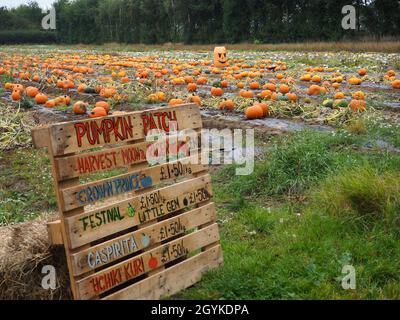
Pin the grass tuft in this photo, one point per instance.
(364, 192)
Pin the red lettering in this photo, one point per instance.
(159, 115)
(80, 131)
(164, 124)
(128, 127)
(109, 127)
(145, 121)
(80, 163)
(127, 270)
(106, 281)
(138, 265)
(117, 134)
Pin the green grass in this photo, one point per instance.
(379, 128)
(26, 185)
(346, 211)
(363, 192)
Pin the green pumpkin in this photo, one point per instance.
(328, 103)
(27, 103)
(216, 84)
(283, 98)
(90, 90)
(340, 104)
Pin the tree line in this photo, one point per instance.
(200, 21)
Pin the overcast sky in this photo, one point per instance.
(16, 3)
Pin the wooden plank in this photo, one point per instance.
(173, 279)
(90, 226)
(112, 158)
(40, 136)
(131, 182)
(65, 235)
(120, 247)
(129, 269)
(106, 159)
(70, 137)
(54, 232)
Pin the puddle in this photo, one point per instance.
(228, 153)
(381, 144)
(273, 124)
(392, 105)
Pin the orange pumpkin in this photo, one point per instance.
(82, 87)
(174, 102)
(32, 91)
(41, 98)
(103, 104)
(266, 94)
(396, 84)
(217, 91)
(316, 78)
(248, 94)
(254, 85)
(314, 90)
(224, 84)
(264, 107)
(359, 95)
(195, 99)
(66, 99)
(339, 95)
(60, 84)
(362, 72)
(357, 105)
(274, 96)
(18, 87)
(202, 80)
(98, 112)
(80, 107)
(16, 95)
(227, 104)
(269, 86)
(292, 97)
(50, 104)
(306, 77)
(355, 81)
(8, 86)
(391, 73)
(254, 112)
(192, 87)
(284, 88)
(240, 85)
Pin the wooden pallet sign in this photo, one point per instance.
(142, 230)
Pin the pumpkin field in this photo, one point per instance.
(325, 191)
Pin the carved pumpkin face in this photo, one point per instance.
(220, 59)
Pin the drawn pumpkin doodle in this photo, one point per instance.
(145, 239)
(153, 262)
(146, 181)
(130, 211)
